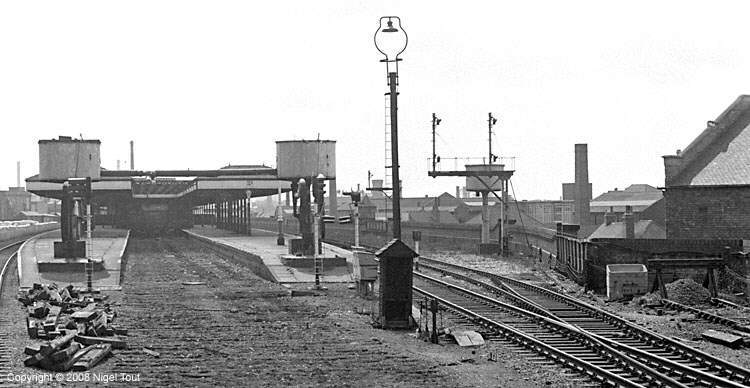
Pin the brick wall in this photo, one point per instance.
(435, 237)
(602, 252)
(711, 212)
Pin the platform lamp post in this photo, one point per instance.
(396, 258)
(391, 40)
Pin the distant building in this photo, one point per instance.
(707, 185)
(14, 201)
(646, 201)
(549, 212)
(643, 229)
(384, 205)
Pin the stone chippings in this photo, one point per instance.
(235, 330)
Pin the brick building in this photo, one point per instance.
(645, 200)
(14, 201)
(708, 184)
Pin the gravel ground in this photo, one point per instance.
(239, 330)
(682, 326)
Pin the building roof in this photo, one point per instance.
(638, 196)
(202, 186)
(444, 217)
(446, 201)
(643, 229)
(720, 155)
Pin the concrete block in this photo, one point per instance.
(626, 280)
(723, 338)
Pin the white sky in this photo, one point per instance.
(201, 84)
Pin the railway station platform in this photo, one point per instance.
(262, 244)
(36, 262)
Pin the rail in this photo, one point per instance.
(649, 337)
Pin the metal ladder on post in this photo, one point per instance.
(388, 176)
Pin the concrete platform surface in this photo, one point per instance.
(36, 262)
(263, 244)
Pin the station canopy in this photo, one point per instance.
(197, 186)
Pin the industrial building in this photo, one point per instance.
(645, 201)
(707, 185)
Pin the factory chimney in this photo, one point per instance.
(132, 157)
(582, 188)
(18, 173)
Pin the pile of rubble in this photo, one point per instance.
(76, 328)
(687, 291)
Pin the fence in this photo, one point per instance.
(10, 234)
(435, 237)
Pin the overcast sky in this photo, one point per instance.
(203, 84)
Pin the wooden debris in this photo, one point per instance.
(33, 360)
(92, 357)
(69, 320)
(151, 352)
(31, 327)
(65, 354)
(39, 309)
(723, 338)
(31, 350)
(67, 365)
(84, 315)
(116, 342)
(57, 343)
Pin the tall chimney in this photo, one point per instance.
(583, 193)
(132, 157)
(18, 173)
(458, 191)
(629, 222)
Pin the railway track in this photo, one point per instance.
(661, 353)
(666, 355)
(708, 316)
(551, 338)
(8, 255)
